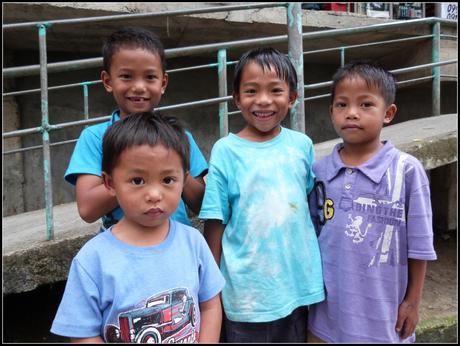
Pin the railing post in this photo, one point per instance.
(436, 85)
(85, 101)
(223, 107)
(45, 134)
(295, 46)
(342, 57)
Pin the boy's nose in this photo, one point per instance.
(264, 98)
(352, 113)
(153, 194)
(138, 86)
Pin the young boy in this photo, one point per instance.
(147, 278)
(134, 72)
(376, 211)
(258, 226)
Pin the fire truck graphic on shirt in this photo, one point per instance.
(168, 317)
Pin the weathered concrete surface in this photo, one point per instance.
(433, 140)
(29, 260)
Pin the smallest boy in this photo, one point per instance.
(376, 210)
(147, 278)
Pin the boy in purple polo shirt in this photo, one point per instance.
(373, 217)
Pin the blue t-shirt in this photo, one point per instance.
(139, 294)
(270, 253)
(378, 215)
(87, 159)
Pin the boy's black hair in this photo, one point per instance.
(372, 73)
(143, 128)
(132, 38)
(267, 58)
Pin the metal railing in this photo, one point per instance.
(295, 39)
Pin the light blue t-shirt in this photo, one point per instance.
(87, 159)
(270, 253)
(139, 294)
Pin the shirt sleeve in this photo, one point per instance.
(211, 279)
(310, 161)
(198, 164)
(216, 203)
(86, 157)
(419, 213)
(79, 314)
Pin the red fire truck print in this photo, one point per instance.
(169, 317)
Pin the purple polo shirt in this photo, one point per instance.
(378, 215)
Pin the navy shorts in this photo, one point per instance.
(292, 328)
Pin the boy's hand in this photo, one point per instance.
(407, 319)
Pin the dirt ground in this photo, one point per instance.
(440, 295)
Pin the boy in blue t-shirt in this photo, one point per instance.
(134, 72)
(257, 221)
(147, 278)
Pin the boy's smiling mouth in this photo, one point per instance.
(138, 99)
(263, 114)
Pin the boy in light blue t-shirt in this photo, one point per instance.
(258, 224)
(134, 72)
(148, 278)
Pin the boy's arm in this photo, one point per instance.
(213, 231)
(93, 340)
(93, 198)
(408, 310)
(193, 192)
(211, 320)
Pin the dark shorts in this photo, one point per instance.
(292, 328)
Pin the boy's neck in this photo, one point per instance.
(259, 137)
(137, 235)
(356, 154)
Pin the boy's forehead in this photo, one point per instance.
(132, 48)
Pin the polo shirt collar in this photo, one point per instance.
(115, 116)
(374, 168)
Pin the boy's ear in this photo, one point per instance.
(108, 183)
(105, 77)
(164, 83)
(236, 99)
(292, 98)
(390, 113)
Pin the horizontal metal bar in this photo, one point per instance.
(15, 151)
(65, 86)
(195, 103)
(367, 44)
(424, 66)
(398, 83)
(18, 133)
(213, 47)
(376, 27)
(397, 71)
(146, 15)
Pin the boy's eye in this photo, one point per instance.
(366, 104)
(137, 181)
(169, 180)
(151, 77)
(277, 90)
(340, 105)
(125, 76)
(249, 91)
